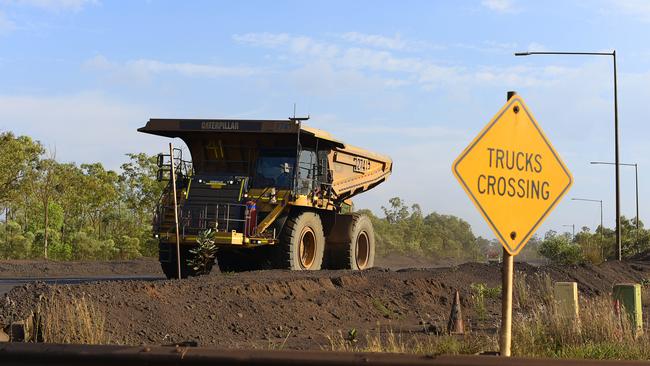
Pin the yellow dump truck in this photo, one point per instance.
(274, 193)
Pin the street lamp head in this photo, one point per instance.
(522, 53)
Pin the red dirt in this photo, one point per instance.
(299, 309)
(43, 268)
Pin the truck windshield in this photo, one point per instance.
(274, 169)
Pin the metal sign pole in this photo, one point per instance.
(178, 238)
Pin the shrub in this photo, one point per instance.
(559, 249)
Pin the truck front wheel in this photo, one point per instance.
(167, 258)
(302, 243)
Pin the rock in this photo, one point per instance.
(4, 337)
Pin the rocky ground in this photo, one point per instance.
(42, 268)
(299, 310)
(150, 267)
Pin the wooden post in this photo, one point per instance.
(506, 303)
(178, 238)
(506, 293)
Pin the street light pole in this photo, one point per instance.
(602, 250)
(573, 230)
(636, 186)
(616, 155)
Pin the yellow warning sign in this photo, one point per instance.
(513, 175)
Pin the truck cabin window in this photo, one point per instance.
(274, 168)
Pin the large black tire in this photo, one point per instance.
(167, 258)
(302, 243)
(351, 244)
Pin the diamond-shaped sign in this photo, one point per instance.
(513, 175)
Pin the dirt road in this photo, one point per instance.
(298, 310)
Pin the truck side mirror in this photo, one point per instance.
(160, 160)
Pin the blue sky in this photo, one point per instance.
(414, 80)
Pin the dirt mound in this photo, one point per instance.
(400, 261)
(43, 268)
(643, 256)
(297, 310)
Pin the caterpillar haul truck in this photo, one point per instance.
(274, 193)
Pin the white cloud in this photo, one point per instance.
(500, 6)
(83, 127)
(639, 9)
(368, 66)
(489, 47)
(6, 25)
(144, 69)
(188, 69)
(379, 41)
(264, 39)
(536, 47)
(98, 62)
(55, 5)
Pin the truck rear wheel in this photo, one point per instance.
(167, 258)
(351, 245)
(302, 243)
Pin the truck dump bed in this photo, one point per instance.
(353, 170)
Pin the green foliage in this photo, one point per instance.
(75, 211)
(595, 247)
(128, 248)
(559, 249)
(19, 156)
(204, 253)
(480, 292)
(408, 231)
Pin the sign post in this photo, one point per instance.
(178, 239)
(515, 178)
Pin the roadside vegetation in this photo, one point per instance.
(592, 247)
(540, 329)
(66, 211)
(76, 320)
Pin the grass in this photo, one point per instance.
(390, 341)
(480, 292)
(76, 320)
(597, 333)
(539, 330)
(277, 346)
(384, 310)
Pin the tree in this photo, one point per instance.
(559, 249)
(19, 156)
(46, 184)
(397, 211)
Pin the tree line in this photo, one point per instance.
(65, 211)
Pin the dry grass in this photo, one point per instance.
(540, 330)
(392, 342)
(71, 320)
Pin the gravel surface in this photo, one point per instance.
(298, 310)
(43, 268)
